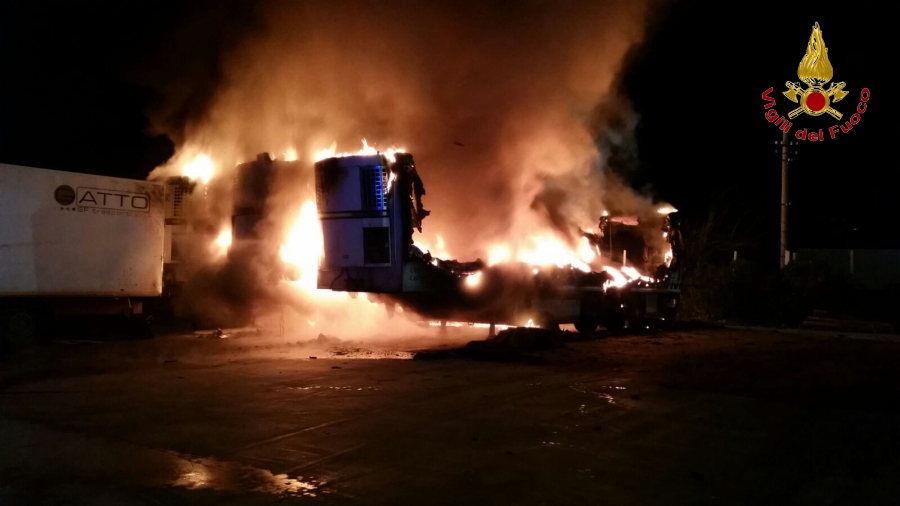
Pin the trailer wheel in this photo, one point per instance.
(19, 327)
(586, 326)
(614, 321)
(547, 322)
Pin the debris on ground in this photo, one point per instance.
(216, 334)
(323, 340)
(508, 345)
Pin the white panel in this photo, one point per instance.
(104, 237)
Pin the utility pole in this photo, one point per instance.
(784, 197)
(783, 252)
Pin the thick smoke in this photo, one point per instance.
(510, 109)
(496, 103)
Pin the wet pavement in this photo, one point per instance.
(696, 417)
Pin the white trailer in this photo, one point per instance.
(76, 243)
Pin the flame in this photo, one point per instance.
(223, 242)
(618, 279)
(667, 257)
(331, 152)
(200, 167)
(498, 326)
(290, 155)
(322, 154)
(303, 248)
(473, 280)
(547, 250)
(544, 251)
(586, 251)
(667, 210)
(391, 179)
(815, 69)
(439, 252)
(498, 254)
(634, 275)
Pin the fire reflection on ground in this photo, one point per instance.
(208, 473)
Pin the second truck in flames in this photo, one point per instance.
(370, 204)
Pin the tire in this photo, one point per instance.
(586, 327)
(614, 321)
(548, 322)
(19, 327)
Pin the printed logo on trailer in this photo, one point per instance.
(101, 201)
(815, 71)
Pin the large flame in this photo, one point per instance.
(200, 167)
(331, 152)
(223, 242)
(544, 250)
(815, 69)
(303, 248)
(304, 245)
(438, 251)
(618, 279)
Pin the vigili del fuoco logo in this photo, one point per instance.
(815, 71)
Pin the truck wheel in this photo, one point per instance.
(19, 327)
(586, 326)
(547, 322)
(614, 322)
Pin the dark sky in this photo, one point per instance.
(77, 81)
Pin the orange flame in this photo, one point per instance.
(331, 152)
(223, 242)
(200, 167)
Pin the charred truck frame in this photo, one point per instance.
(368, 208)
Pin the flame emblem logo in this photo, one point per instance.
(815, 70)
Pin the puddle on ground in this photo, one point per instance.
(209, 473)
(578, 387)
(348, 389)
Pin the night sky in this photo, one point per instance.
(78, 81)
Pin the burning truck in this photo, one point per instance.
(369, 206)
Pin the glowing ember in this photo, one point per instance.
(473, 280)
(199, 168)
(290, 155)
(475, 325)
